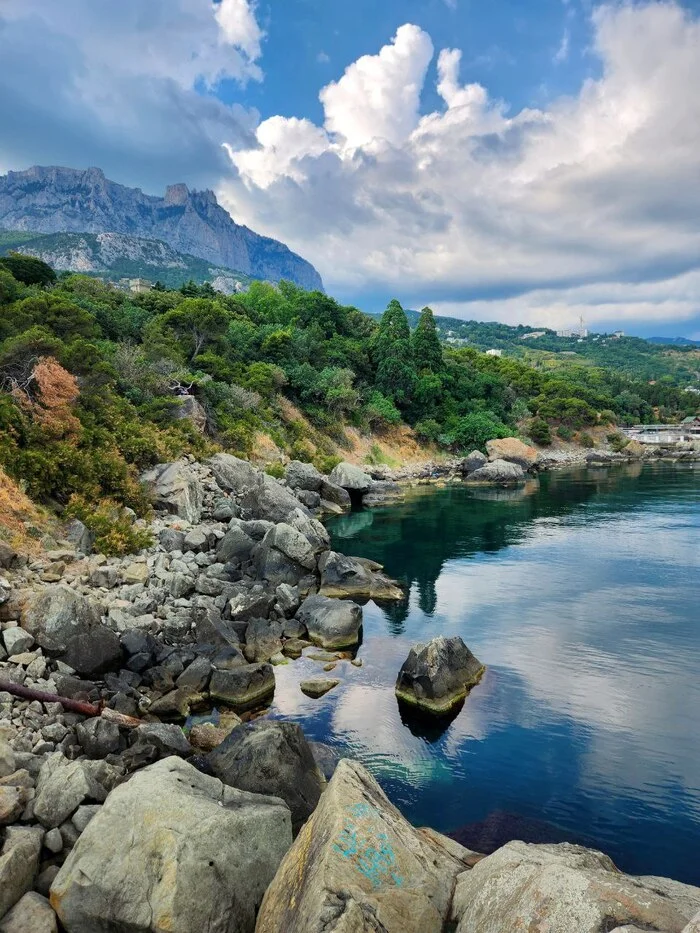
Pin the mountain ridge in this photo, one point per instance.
(114, 256)
(54, 199)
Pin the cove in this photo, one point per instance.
(579, 592)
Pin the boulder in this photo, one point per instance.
(360, 867)
(197, 857)
(31, 914)
(271, 501)
(263, 639)
(437, 676)
(513, 451)
(17, 640)
(98, 737)
(176, 489)
(57, 613)
(231, 474)
(243, 687)
(382, 492)
(473, 462)
(253, 603)
(350, 477)
(93, 652)
(292, 543)
(235, 545)
(343, 576)
(331, 623)
(8, 762)
(77, 534)
(335, 495)
(303, 476)
(19, 861)
(64, 785)
(498, 471)
(190, 409)
(561, 888)
(12, 803)
(271, 758)
(8, 555)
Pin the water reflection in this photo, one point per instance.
(580, 596)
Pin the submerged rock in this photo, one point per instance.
(360, 867)
(331, 623)
(176, 850)
(562, 888)
(343, 577)
(437, 676)
(271, 758)
(318, 688)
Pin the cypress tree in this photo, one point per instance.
(427, 350)
(396, 374)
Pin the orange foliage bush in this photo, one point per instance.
(54, 393)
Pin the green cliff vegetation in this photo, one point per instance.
(93, 380)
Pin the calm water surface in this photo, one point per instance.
(580, 593)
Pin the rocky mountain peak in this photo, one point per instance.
(51, 199)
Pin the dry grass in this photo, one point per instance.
(17, 514)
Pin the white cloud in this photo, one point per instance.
(379, 95)
(599, 188)
(127, 85)
(562, 53)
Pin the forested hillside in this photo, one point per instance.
(677, 361)
(93, 381)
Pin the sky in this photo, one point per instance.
(526, 162)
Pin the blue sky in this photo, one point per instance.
(517, 161)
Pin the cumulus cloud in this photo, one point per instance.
(128, 86)
(590, 201)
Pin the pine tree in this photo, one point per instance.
(396, 374)
(427, 350)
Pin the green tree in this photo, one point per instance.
(427, 349)
(396, 374)
(28, 269)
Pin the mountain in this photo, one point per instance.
(65, 200)
(674, 341)
(113, 256)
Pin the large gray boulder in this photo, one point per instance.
(562, 888)
(473, 462)
(94, 652)
(231, 474)
(292, 543)
(175, 850)
(334, 495)
(31, 914)
(190, 409)
(350, 477)
(269, 500)
(437, 676)
(358, 866)
(498, 471)
(331, 623)
(236, 545)
(243, 687)
(19, 860)
(57, 613)
(175, 488)
(271, 758)
(64, 785)
(303, 476)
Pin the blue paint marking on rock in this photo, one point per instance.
(363, 842)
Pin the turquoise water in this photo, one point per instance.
(580, 594)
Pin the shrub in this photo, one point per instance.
(28, 269)
(617, 441)
(565, 432)
(326, 463)
(585, 440)
(540, 432)
(115, 533)
(428, 430)
(275, 469)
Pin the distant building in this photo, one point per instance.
(135, 286)
(534, 335)
(619, 333)
(692, 389)
(494, 353)
(580, 331)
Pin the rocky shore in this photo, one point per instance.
(122, 810)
